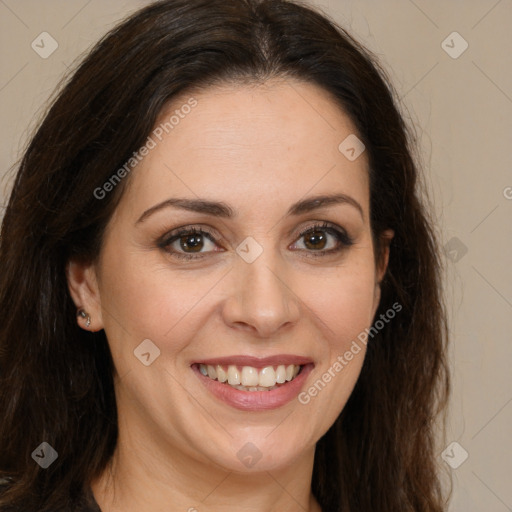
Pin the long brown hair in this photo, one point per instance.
(56, 380)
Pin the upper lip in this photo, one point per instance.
(257, 362)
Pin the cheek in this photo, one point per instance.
(135, 298)
(143, 299)
(342, 298)
(343, 306)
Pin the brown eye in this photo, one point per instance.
(188, 243)
(194, 242)
(315, 240)
(324, 239)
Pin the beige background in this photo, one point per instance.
(462, 110)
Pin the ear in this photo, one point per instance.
(382, 265)
(83, 287)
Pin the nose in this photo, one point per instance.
(262, 300)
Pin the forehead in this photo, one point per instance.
(236, 142)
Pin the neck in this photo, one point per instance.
(153, 476)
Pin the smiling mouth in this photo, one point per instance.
(248, 378)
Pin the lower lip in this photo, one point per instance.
(256, 400)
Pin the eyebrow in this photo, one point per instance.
(222, 210)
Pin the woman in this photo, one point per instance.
(220, 288)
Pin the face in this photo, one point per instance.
(218, 260)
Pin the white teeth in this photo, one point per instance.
(233, 375)
(211, 372)
(281, 374)
(250, 378)
(254, 388)
(267, 377)
(222, 376)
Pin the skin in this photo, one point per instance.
(258, 149)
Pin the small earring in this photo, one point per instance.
(85, 315)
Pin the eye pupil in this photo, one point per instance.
(312, 240)
(193, 242)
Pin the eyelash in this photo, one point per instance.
(342, 237)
